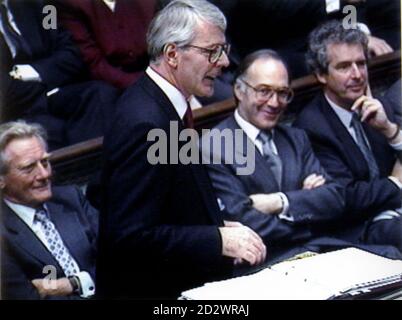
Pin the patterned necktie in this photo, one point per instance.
(273, 160)
(188, 118)
(364, 147)
(17, 41)
(55, 243)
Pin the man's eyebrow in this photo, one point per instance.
(27, 164)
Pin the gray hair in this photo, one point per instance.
(176, 24)
(18, 130)
(331, 32)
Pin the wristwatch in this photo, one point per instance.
(75, 284)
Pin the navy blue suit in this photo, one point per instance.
(343, 160)
(78, 111)
(313, 211)
(159, 227)
(24, 256)
(307, 207)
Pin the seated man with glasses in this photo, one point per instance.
(288, 196)
(48, 234)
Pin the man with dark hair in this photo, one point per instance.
(355, 136)
(161, 229)
(48, 234)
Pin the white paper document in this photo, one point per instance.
(320, 277)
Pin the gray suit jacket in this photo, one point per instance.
(309, 208)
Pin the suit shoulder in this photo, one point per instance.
(308, 112)
(65, 193)
(295, 134)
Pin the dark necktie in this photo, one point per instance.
(55, 243)
(273, 160)
(188, 118)
(364, 147)
(17, 41)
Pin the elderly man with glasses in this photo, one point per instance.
(289, 195)
(161, 229)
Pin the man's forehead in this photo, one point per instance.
(23, 149)
(344, 52)
(268, 71)
(208, 34)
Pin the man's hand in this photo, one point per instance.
(242, 243)
(59, 287)
(372, 112)
(313, 181)
(267, 203)
(378, 46)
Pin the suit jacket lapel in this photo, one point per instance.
(199, 173)
(352, 152)
(22, 236)
(262, 171)
(162, 100)
(70, 230)
(288, 158)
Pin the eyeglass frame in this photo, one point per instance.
(222, 47)
(273, 90)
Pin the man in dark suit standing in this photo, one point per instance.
(40, 74)
(161, 230)
(47, 233)
(355, 135)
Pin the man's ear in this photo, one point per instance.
(238, 92)
(321, 77)
(170, 54)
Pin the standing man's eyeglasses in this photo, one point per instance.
(213, 54)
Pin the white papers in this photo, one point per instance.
(319, 277)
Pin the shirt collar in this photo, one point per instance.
(111, 4)
(175, 96)
(344, 115)
(27, 214)
(251, 130)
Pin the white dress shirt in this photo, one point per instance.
(110, 3)
(27, 214)
(174, 95)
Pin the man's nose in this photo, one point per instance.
(223, 61)
(273, 100)
(43, 172)
(356, 72)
